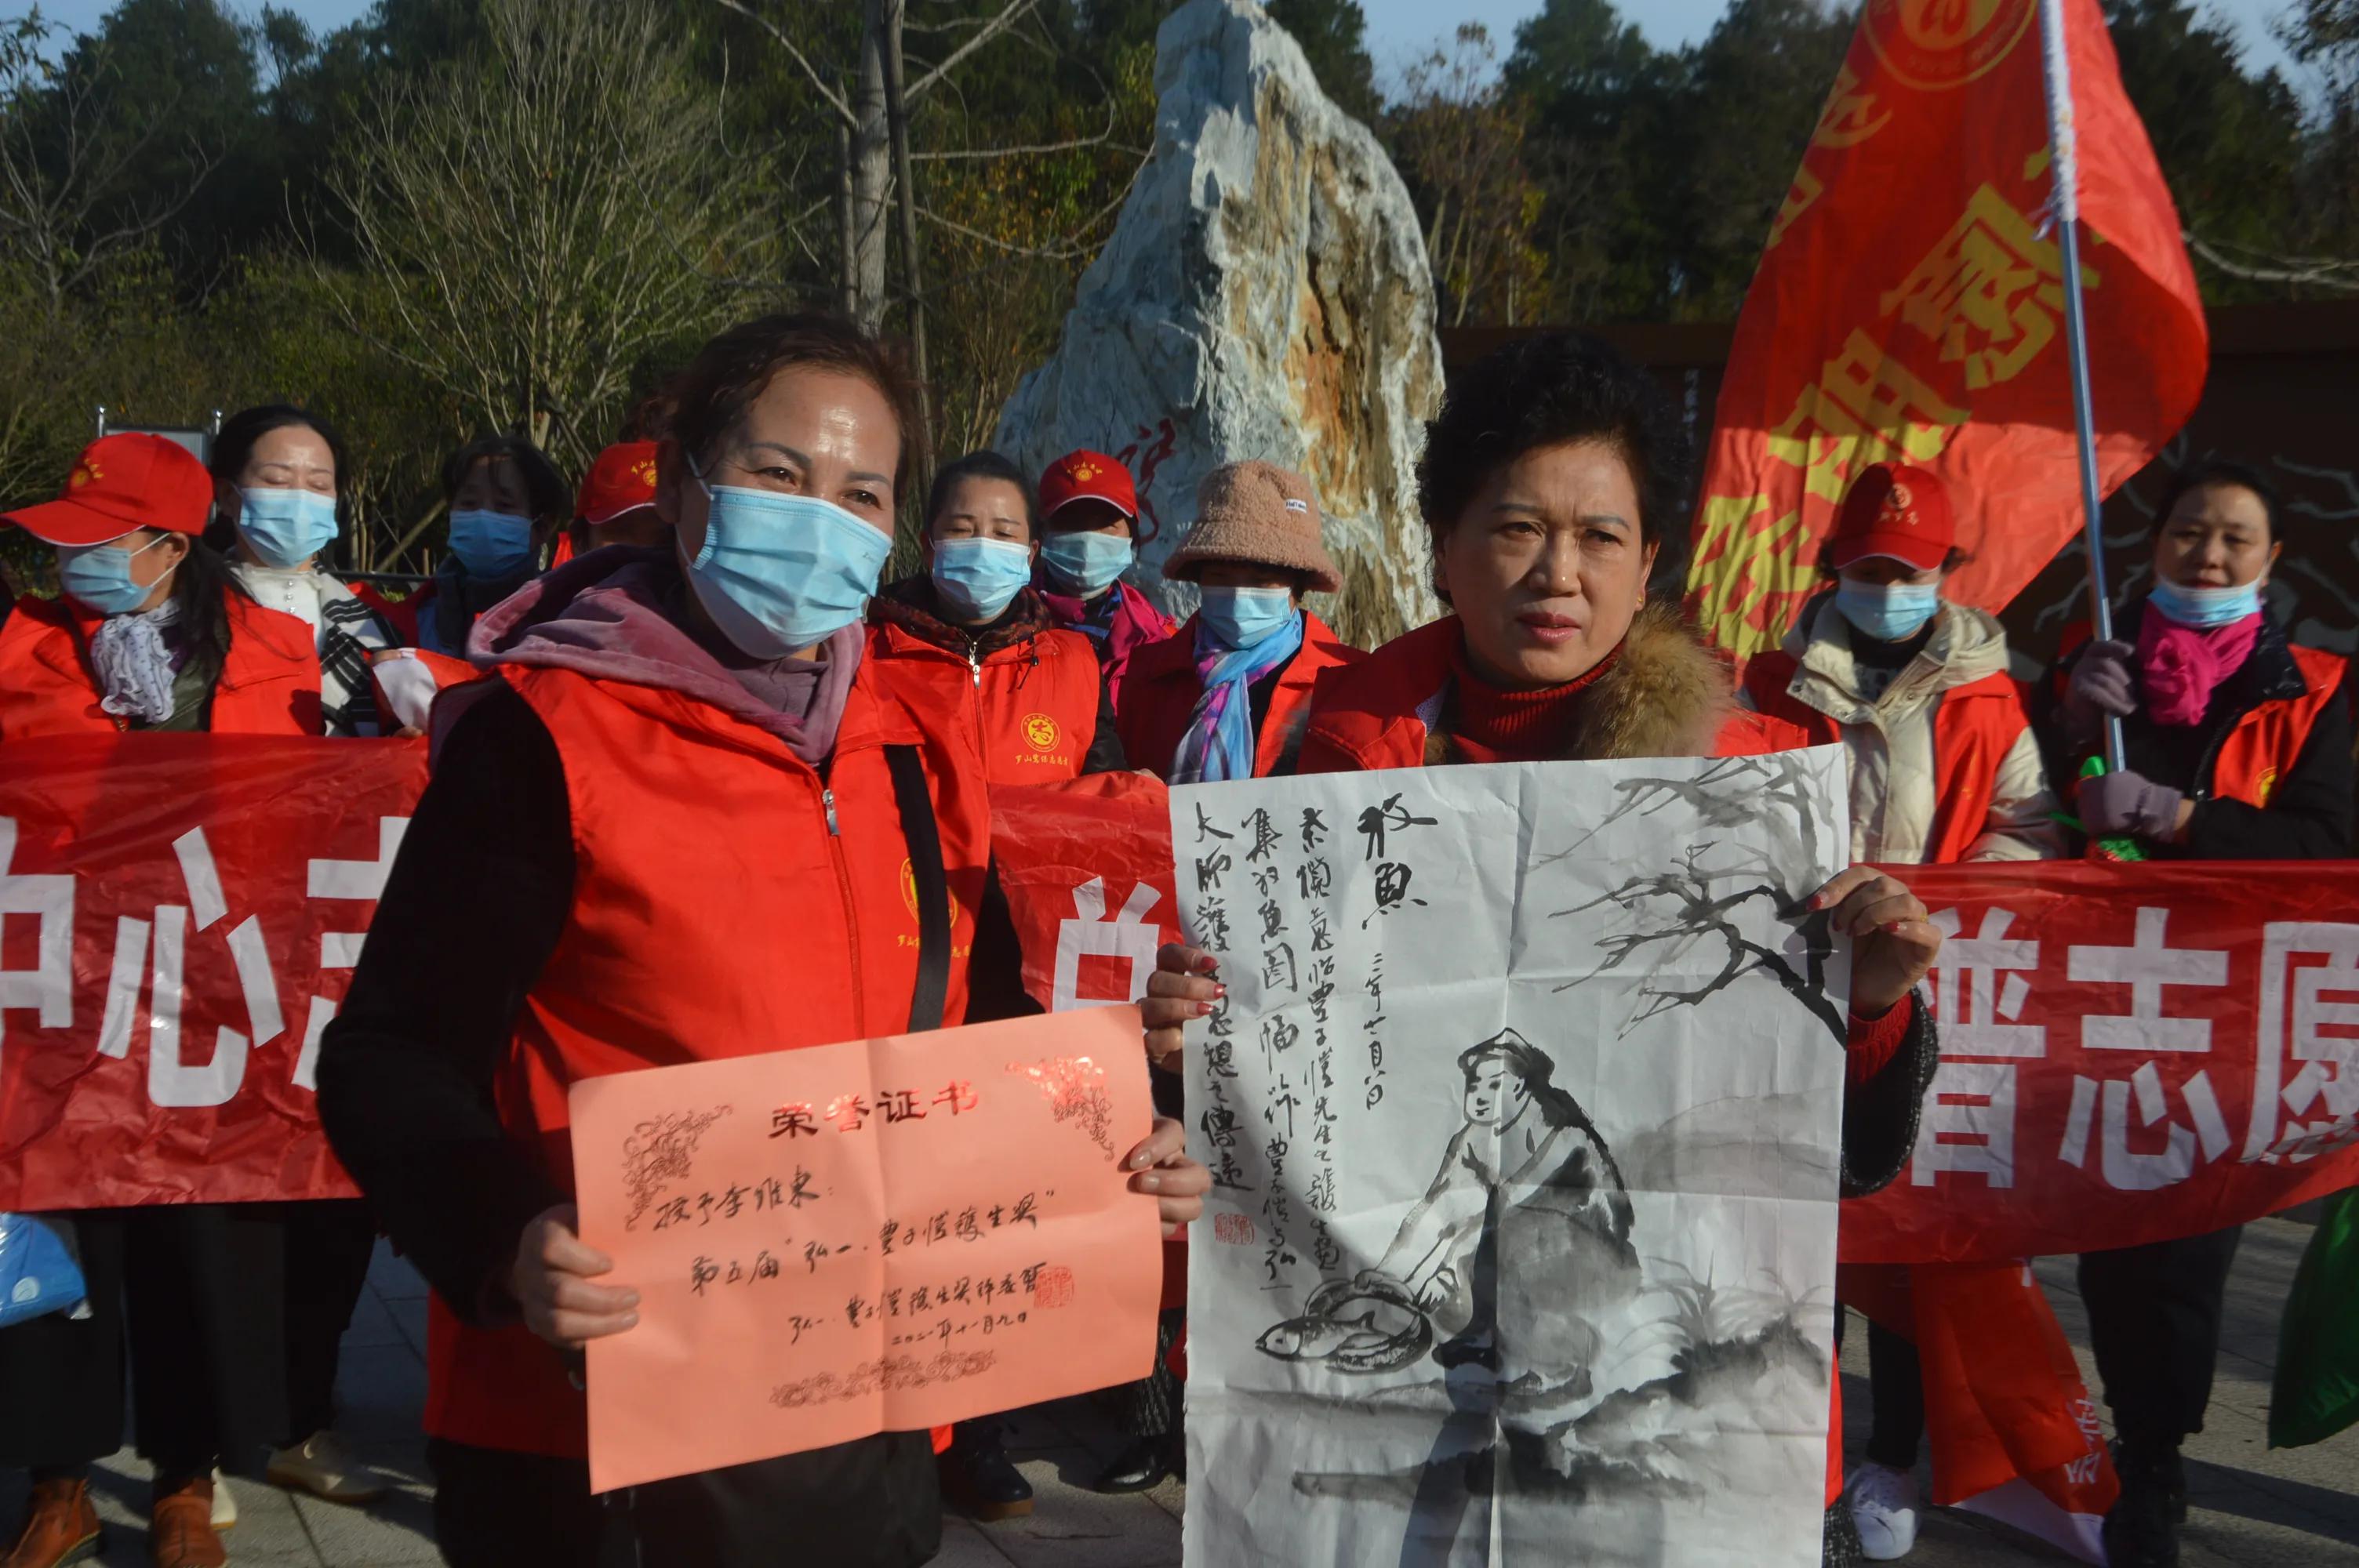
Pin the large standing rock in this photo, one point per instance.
(1265, 295)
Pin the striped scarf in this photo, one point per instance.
(346, 629)
(1219, 741)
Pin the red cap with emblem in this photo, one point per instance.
(121, 483)
(1087, 476)
(622, 480)
(1897, 512)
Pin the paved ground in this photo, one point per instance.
(2252, 1509)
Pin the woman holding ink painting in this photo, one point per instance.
(1549, 484)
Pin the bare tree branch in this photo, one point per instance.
(828, 94)
(1009, 15)
(2321, 272)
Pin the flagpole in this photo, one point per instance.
(2064, 164)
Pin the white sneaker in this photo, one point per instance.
(224, 1506)
(1884, 1505)
(321, 1465)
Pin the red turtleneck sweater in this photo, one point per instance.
(1489, 725)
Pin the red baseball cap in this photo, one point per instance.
(121, 483)
(1897, 512)
(622, 480)
(1087, 476)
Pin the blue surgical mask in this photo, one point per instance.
(2204, 608)
(1240, 618)
(491, 545)
(99, 575)
(1890, 612)
(1085, 564)
(977, 578)
(286, 527)
(779, 573)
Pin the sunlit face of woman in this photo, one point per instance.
(1495, 1093)
(811, 431)
(2217, 536)
(1546, 566)
(981, 508)
(292, 456)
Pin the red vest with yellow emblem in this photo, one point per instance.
(727, 900)
(1031, 708)
(2267, 740)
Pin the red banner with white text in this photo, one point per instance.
(2129, 1053)
(178, 914)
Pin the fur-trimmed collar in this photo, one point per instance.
(1666, 696)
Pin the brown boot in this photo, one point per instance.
(180, 1532)
(60, 1526)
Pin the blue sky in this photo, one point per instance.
(1399, 30)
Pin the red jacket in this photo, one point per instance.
(1030, 709)
(269, 682)
(1162, 688)
(727, 900)
(1379, 712)
(1975, 728)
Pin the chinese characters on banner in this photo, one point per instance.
(1910, 308)
(2128, 1054)
(1523, 1106)
(244, 870)
(874, 1236)
(179, 915)
(1086, 869)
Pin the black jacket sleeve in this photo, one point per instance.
(1106, 754)
(1881, 1116)
(473, 907)
(995, 969)
(2308, 813)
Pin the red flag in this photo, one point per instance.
(1909, 307)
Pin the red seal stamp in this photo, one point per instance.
(1236, 1229)
(1053, 1287)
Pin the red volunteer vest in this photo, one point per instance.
(2266, 743)
(1159, 694)
(1030, 709)
(726, 901)
(1975, 727)
(269, 682)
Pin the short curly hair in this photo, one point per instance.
(1544, 391)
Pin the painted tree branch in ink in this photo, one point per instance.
(1680, 911)
(1772, 793)
(1567, 1282)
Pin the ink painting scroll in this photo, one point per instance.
(1523, 1109)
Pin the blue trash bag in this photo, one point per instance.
(37, 1272)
